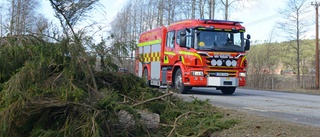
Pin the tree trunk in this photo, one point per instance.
(193, 9)
(211, 8)
(160, 13)
(298, 50)
(200, 9)
(12, 17)
(226, 10)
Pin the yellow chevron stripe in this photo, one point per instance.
(191, 54)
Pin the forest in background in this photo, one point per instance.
(273, 66)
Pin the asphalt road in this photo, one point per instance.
(300, 108)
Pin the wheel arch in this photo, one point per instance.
(177, 66)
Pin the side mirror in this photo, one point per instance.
(183, 38)
(248, 36)
(247, 46)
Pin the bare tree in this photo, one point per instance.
(263, 61)
(70, 13)
(228, 4)
(201, 4)
(22, 17)
(212, 7)
(160, 12)
(271, 60)
(295, 26)
(193, 9)
(1, 20)
(171, 10)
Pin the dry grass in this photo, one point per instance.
(252, 125)
(297, 90)
(303, 91)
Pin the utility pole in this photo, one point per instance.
(316, 4)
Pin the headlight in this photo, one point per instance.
(242, 74)
(213, 62)
(228, 63)
(197, 73)
(219, 62)
(234, 63)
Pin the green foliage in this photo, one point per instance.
(203, 122)
(271, 56)
(125, 83)
(48, 73)
(77, 9)
(48, 89)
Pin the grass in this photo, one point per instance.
(251, 125)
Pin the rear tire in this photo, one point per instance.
(178, 84)
(228, 90)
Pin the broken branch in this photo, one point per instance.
(151, 99)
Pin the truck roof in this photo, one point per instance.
(152, 35)
(222, 24)
(159, 33)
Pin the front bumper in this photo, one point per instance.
(222, 81)
(202, 81)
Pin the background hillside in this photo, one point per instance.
(274, 66)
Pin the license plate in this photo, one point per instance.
(222, 74)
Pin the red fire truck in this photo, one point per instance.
(194, 53)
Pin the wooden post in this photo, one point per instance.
(316, 4)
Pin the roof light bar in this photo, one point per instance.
(219, 21)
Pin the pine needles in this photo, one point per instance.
(47, 90)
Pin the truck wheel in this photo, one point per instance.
(228, 90)
(178, 85)
(145, 77)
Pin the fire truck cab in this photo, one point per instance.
(194, 53)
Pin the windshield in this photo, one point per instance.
(220, 41)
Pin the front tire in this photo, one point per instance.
(178, 84)
(228, 90)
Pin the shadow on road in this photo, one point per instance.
(207, 91)
(213, 91)
(202, 92)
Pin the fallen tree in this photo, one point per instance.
(50, 89)
(34, 103)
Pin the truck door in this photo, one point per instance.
(169, 53)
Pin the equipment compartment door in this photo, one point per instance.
(155, 64)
